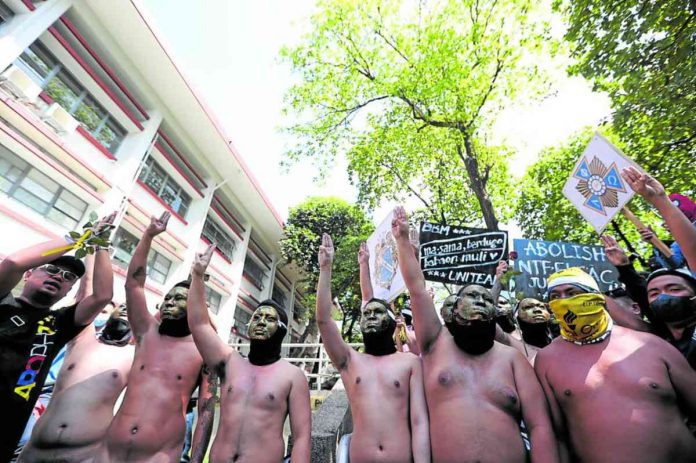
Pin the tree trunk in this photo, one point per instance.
(312, 328)
(478, 184)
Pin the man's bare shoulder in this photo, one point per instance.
(654, 344)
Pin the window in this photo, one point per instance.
(254, 272)
(124, 243)
(215, 234)
(279, 296)
(154, 176)
(241, 321)
(65, 90)
(213, 298)
(6, 14)
(30, 187)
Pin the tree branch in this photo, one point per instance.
(392, 170)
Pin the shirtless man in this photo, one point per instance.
(384, 387)
(150, 424)
(477, 390)
(616, 395)
(256, 395)
(533, 318)
(94, 373)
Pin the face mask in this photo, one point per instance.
(582, 318)
(116, 332)
(673, 309)
(176, 328)
(267, 351)
(475, 338)
(506, 323)
(381, 342)
(100, 321)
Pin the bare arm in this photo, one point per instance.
(12, 268)
(207, 391)
(653, 192)
(420, 426)
(556, 414)
(682, 376)
(102, 290)
(300, 419)
(365, 282)
(338, 351)
(138, 315)
(85, 288)
(498, 284)
(535, 412)
(426, 322)
(214, 350)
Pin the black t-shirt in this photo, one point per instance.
(30, 338)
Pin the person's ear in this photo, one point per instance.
(635, 308)
(27, 274)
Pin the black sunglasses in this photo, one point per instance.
(67, 275)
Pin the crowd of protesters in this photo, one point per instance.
(579, 375)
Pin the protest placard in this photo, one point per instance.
(461, 255)
(536, 260)
(595, 186)
(387, 282)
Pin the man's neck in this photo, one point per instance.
(39, 304)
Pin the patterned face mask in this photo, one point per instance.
(582, 318)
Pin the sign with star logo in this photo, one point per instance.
(595, 186)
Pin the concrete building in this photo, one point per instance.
(95, 116)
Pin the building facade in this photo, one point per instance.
(95, 116)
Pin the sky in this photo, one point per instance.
(228, 50)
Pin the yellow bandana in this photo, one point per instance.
(582, 318)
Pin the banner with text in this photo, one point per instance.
(539, 259)
(461, 255)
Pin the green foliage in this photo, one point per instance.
(544, 213)
(408, 91)
(643, 53)
(348, 226)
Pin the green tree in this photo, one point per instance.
(643, 53)
(409, 90)
(348, 226)
(542, 211)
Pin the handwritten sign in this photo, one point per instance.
(539, 259)
(461, 255)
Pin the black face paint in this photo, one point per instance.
(535, 334)
(378, 340)
(474, 338)
(267, 351)
(672, 309)
(116, 332)
(506, 322)
(176, 328)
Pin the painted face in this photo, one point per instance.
(671, 285)
(263, 323)
(564, 292)
(374, 319)
(47, 284)
(474, 303)
(533, 311)
(120, 313)
(174, 305)
(503, 307)
(447, 306)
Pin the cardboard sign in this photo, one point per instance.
(461, 255)
(539, 259)
(595, 186)
(387, 282)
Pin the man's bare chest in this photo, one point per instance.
(390, 376)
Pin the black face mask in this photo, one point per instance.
(475, 338)
(535, 334)
(382, 342)
(267, 351)
(506, 323)
(116, 332)
(672, 309)
(175, 328)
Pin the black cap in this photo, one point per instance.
(680, 272)
(71, 263)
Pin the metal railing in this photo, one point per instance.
(323, 373)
